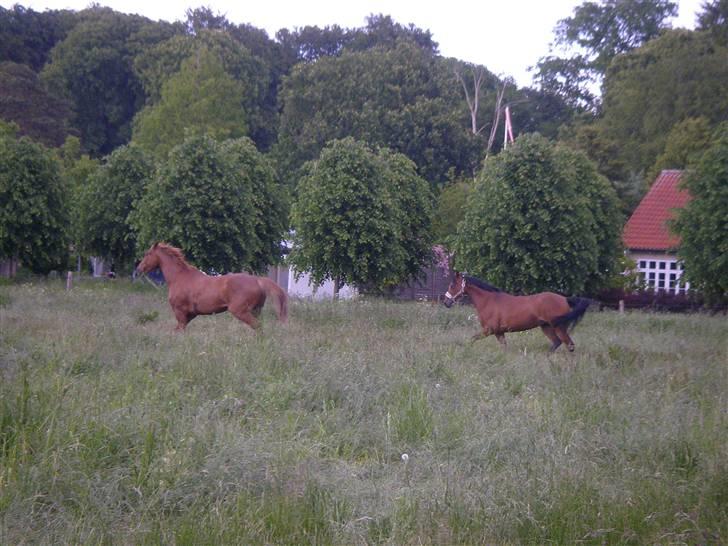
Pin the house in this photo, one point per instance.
(648, 239)
(303, 287)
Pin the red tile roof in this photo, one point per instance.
(647, 228)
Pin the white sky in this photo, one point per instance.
(506, 36)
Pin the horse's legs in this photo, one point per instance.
(480, 335)
(549, 331)
(564, 336)
(501, 339)
(183, 318)
(246, 315)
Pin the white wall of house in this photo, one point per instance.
(303, 287)
(660, 271)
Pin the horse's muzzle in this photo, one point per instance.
(448, 302)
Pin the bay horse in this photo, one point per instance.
(192, 292)
(500, 312)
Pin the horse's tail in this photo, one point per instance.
(279, 295)
(572, 318)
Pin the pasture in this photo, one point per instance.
(115, 430)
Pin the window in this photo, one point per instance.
(664, 274)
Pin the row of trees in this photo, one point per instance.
(204, 130)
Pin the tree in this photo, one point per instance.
(679, 75)
(351, 218)
(601, 30)
(269, 200)
(252, 74)
(450, 210)
(401, 98)
(107, 200)
(202, 201)
(200, 99)
(714, 19)
(539, 218)
(702, 223)
(24, 100)
(33, 213)
(27, 36)
(685, 143)
(92, 67)
(76, 169)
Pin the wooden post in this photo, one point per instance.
(69, 280)
(621, 306)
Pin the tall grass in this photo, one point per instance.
(115, 430)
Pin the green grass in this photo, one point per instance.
(115, 430)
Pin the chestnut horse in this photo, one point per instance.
(192, 292)
(500, 312)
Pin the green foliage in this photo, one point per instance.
(253, 75)
(33, 206)
(200, 99)
(702, 224)
(219, 202)
(25, 101)
(92, 67)
(450, 210)
(401, 98)
(714, 19)
(361, 217)
(27, 36)
(106, 201)
(596, 33)
(685, 143)
(76, 169)
(540, 218)
(677, 76)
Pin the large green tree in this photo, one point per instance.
(205, 199)
(27, 36)
(539, 218)
(252, 73)
(33, 212)
(106, 201)
(200, 99)
(403, 98)
(680, 75)
(594, 35)
(361, 217)
(703, 223)
(24, 100)
(92, 67)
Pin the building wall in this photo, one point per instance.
(659, 271)
(303, 287)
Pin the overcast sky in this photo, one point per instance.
(506, 36)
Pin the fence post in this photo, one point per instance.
(621, 306)
(69, 280)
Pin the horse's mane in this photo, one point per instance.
(174, 253)
(481, 284)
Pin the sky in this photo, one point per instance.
(505, 36)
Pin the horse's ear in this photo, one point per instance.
(155, 245)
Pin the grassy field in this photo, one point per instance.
(364, 422)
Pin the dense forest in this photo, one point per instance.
(127, 109)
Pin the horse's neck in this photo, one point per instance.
(478, 294)
(172, 268)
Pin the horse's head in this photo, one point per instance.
(150, 262)
(455, 290)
